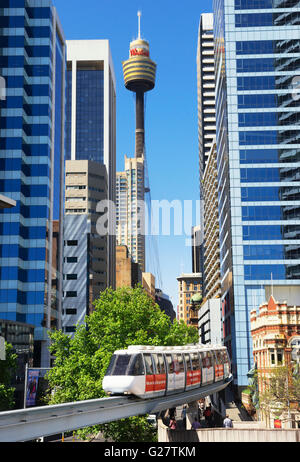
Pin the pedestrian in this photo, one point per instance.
(201, 409)
(183, 416)
(207, 415)
(173, 424)
(196, 424)
(227, 422)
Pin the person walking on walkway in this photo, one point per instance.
(196, 424)
(227, 422)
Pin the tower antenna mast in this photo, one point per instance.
(139, 23)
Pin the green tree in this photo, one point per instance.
(122, 317)
(7, 367)
(282, 387)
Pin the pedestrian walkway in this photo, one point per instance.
(240, 417)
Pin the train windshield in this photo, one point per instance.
(118, 365)
(126, 365)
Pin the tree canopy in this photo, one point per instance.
(7, 367)
(121, 317)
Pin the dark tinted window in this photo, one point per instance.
(136, 365)
(118, 365)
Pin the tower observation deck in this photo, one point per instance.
(139, 76)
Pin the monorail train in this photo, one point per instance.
(148, 372)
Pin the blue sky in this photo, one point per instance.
(171, 28)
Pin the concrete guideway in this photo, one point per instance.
(29, 424)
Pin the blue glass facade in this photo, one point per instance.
(89, 142)
(32, 61)
(258, 148)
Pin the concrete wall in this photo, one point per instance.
(223, 435)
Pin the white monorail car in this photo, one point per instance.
(147, 371)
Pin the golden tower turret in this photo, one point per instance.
(139, 76)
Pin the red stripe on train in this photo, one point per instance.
(156, 382)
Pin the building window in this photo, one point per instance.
(71, 277)
(71, 293)
(72, 243)
(71, 259)
(71, 311)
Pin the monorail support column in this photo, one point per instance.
(191, 414)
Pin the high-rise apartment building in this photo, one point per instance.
(257, 120)
(205, 88)
(130, 210)
(32, 62)
(206, 110)
(91, 118)
(212, 281)
(85, 266)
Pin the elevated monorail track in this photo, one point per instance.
(29, 424)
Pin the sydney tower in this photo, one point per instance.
(139, 76)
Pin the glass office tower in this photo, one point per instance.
(91, 119)
(258, 146)
(32, 62)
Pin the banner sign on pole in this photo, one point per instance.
(32, 385)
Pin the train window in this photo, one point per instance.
(206, 359)
(157, 368)
(225, 357)
(120, 364)
(195, 362)
(187, 362)
(148, 363)
(136, 366)
(219, 357)
(170, 364)
(161, 363)
(180, 363)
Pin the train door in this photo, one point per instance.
(160, 378)
(207, 367)
(150, 375)
(196, 368)
(219, 368)
(176, 375)
(170, 373)
(179, 371)
(188, 372)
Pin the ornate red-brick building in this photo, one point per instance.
(275, 331)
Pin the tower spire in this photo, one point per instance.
(139, 23)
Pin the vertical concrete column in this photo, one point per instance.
(191, 413)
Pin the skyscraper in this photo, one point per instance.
(131, 210)
(85, 266)
(32, 62)
(139, 77)
(206, 113)
(91, 117)
(205, 88)
(258, 143)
